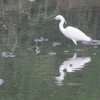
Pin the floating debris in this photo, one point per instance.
(66, 51)
(1, 81)
(92, 42)
(52, 53)
(34, 49)
(94, 53)
(68, 45)
(56, 43)
(7, 54)
(73, 83)
(31, 0)
(40, 40)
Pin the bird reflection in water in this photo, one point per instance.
(71, 65)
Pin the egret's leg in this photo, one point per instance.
(76, 46)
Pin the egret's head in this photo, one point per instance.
(60, 17)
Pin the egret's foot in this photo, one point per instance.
(77, 48)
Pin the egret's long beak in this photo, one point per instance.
(52, 19)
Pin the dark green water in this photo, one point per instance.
(63, 75)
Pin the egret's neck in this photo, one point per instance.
(61, 25)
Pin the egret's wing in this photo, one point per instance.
(76, 34)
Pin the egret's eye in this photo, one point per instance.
(56, 17)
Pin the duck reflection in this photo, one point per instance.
(71, 65)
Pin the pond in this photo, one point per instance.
(37, 61)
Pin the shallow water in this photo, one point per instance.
(56, 72)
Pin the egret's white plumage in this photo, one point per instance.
(71, 32)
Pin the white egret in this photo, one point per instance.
(71, 32)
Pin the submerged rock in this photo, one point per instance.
(34, 49)
(7, 54)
